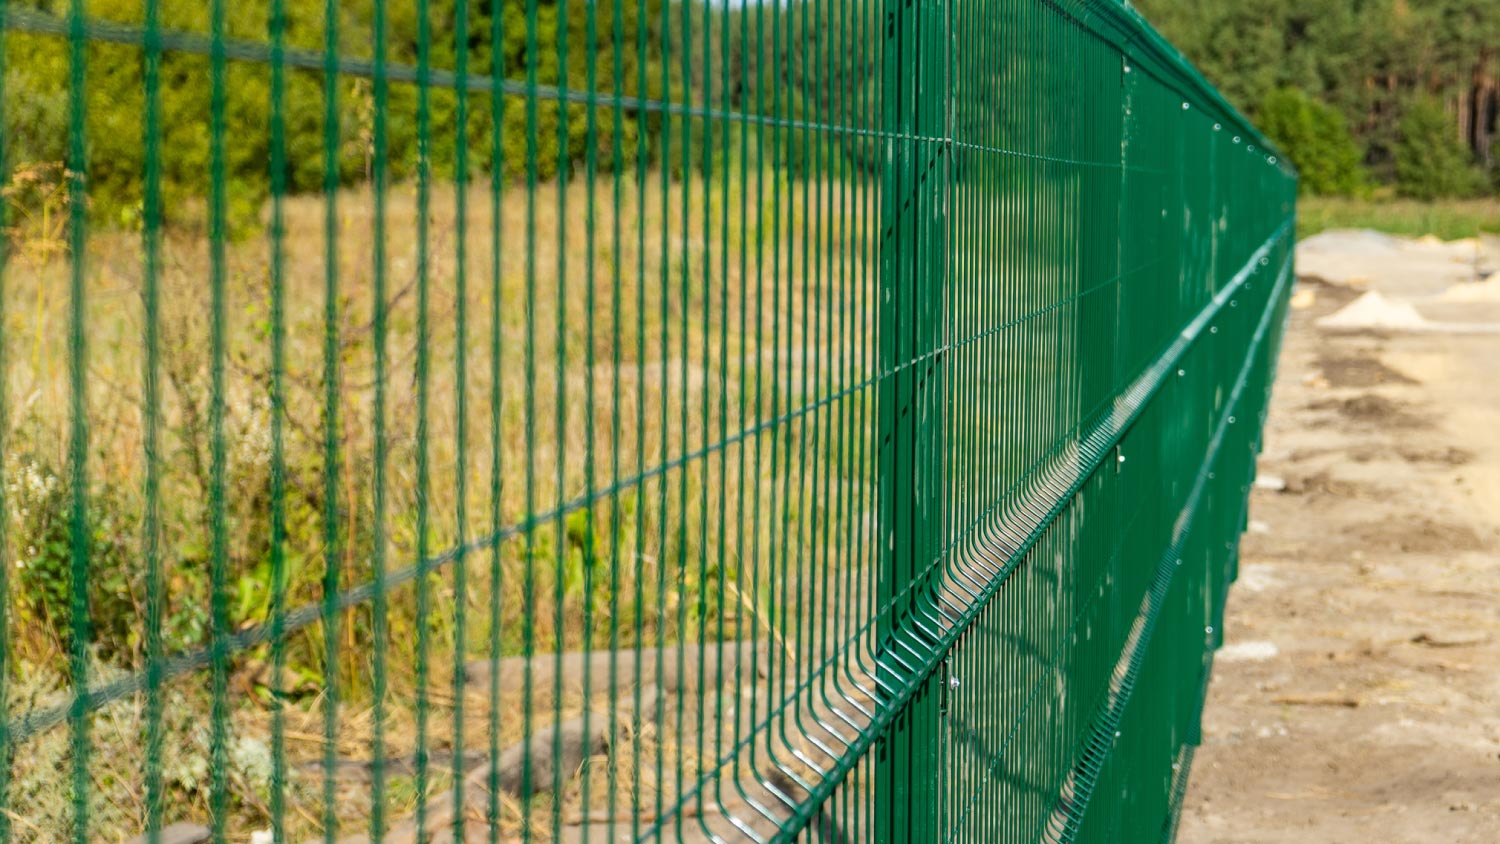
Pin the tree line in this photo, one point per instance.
(1361, 94)
(647, 83)
(618, 83)
(619, 40)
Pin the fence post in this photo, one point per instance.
(913, 268)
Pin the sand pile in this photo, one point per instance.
(1373, 310)
(1484, 291)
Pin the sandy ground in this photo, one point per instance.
(1357, 698)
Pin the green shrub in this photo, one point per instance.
(41, 509)
(1317, 140)
(1432, 162)
(38, 69)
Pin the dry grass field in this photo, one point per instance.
(556, 339)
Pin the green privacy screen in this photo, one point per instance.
(624, 420)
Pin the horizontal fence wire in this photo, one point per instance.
(553, 420)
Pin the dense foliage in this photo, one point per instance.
(775, 61)
(1316, 138)
(1357, 91)
(1388, 67)
(37, 83)
(1430, 161)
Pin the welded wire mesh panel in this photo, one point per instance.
(618, 420)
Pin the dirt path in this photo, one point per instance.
(1357, 698)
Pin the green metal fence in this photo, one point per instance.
(619, 420)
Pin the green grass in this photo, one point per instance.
(1448, 219)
